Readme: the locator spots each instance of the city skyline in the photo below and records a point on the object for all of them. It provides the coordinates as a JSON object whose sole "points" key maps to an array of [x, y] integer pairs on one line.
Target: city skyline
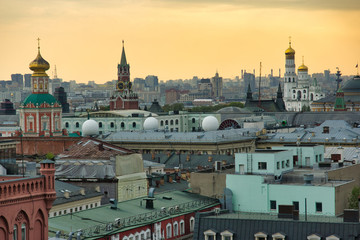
{"points": [[177, 39]]}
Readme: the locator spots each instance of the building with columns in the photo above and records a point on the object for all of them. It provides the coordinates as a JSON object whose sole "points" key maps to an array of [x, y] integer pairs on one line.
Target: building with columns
{"points": [[40, 113], [123, 97], [299, 90]]}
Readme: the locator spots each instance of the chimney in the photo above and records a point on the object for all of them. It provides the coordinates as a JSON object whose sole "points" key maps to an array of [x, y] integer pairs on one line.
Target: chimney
{"points": [[82, 191], [66, 195], [101, 147], [114, 203], [326, 129]]}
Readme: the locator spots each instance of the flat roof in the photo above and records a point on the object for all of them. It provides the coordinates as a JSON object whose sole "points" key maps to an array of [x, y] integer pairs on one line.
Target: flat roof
{"points": [[129, 214]]}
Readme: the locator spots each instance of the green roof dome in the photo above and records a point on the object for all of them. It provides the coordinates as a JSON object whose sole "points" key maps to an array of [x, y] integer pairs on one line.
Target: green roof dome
{"points": [[38, 99]]}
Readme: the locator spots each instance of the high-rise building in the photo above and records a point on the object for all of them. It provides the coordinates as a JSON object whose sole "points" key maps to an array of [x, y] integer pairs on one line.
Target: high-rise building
{"points": [[123, 97], [17, 79], [27, 80], [217, 86], [61, 96], [40, 112], [152, 82]]}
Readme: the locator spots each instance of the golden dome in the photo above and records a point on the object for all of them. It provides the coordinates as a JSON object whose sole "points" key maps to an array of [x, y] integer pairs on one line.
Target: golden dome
{"points": [[302, 67], [39, 65], [289, 53]]}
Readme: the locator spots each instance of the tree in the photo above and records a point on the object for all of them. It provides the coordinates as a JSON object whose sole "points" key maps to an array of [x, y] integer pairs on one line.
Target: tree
{"points": [[50, 156], [353, 198]]}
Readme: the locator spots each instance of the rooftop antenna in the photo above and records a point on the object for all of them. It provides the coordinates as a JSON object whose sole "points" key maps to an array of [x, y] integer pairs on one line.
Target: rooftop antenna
{"points": [[259, 104], [357, 68]]}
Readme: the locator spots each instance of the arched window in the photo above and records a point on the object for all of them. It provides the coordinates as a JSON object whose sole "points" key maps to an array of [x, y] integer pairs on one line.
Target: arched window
{"points": [[182, 227], [166, 122], [193, 120], [171, 122], [192, 224], [312, 97], [23, 231], [304, 91], [168, 231], [100, 124], [15, 233], [161, 123], [177, 121], [134, 124], [293, 79], [176, 229], [122, 124], [112, 125], [66, 124], [294, 91], [77, 124]]}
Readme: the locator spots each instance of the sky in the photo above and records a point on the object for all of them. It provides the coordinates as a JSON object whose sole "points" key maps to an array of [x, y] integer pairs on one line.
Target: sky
{"points": [[177, 39]]}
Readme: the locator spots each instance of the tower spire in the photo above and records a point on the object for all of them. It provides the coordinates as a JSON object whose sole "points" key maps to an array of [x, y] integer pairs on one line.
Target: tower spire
{"points": [[289, 41], [38, 39], [123, 61]]}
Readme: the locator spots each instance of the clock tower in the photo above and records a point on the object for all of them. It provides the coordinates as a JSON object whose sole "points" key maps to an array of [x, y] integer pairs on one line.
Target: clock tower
{"points": [[123, 97]]}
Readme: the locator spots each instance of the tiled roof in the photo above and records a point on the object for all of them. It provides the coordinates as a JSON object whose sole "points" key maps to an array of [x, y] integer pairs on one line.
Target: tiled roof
{"points": [[89, 148], [38, 99]]}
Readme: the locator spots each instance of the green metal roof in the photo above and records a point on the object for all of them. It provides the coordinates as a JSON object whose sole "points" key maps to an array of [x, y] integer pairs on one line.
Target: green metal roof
{"points": [[100, 221], [40, 98]]}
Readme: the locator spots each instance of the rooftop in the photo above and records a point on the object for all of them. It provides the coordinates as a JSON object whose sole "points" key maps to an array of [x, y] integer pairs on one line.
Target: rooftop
{"points": [[96, 222], [188, 137]]}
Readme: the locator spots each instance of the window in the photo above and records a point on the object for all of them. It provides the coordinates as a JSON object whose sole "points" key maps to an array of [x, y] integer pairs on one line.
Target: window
{"points": [[15, 234], [282, 164], [272, 205], [77, 124], [166, 122], [182, 227], [171, 122], [296, 205], [262, 165], [122, 125], [318, 206], [176, 229], [332, 237], [168, 231], [23, 231], [278, 165], [134, 124], [100, 124], [66, 124], [316, 158], [176, 121], [314, 237], [192, 224], [288, 163], [320, 157], [193, 120], [112, 125], [210, 235], [54, 214], [260, 236], [226, 235], [161, 123], [278, 236]]}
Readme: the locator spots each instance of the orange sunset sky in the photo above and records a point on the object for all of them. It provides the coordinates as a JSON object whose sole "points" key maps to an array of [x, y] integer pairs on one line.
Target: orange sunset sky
{"points": [[177, 38]]}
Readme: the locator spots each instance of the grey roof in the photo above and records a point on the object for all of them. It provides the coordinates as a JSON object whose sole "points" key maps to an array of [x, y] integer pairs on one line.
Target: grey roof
{"points": [[74, 192], [339, 131], [188, 137], [152, 164], [84, 169], [192, 163], [245, 225]]}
